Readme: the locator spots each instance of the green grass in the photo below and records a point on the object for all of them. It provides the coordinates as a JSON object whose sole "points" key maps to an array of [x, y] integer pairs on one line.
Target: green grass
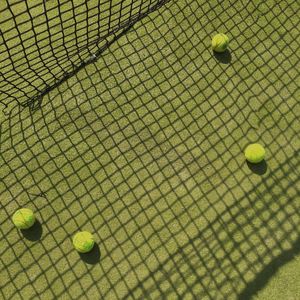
{"points": [[145, 149]]}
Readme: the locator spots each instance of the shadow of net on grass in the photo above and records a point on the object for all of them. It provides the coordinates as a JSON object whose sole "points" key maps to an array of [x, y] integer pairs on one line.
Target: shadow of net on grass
{"points": [[145, 149]]}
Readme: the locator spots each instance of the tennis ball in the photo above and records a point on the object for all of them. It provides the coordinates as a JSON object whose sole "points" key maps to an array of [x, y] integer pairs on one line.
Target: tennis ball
{"points": [[83, 241], [255, 153], [23, 218], [220, 42]]}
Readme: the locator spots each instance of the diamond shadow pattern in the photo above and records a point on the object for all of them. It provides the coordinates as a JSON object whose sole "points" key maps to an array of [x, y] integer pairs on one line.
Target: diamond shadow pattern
{"points": [[144, 148]]}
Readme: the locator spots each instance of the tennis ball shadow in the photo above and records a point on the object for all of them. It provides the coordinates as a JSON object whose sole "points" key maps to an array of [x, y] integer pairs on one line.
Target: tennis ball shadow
{"points": [[33, 233], [259, 169], [223, 57], [91, 257]]}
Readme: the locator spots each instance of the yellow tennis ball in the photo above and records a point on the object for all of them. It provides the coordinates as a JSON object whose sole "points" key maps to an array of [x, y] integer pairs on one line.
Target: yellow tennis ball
{"points": [[83, 241], [23, 218], [220, 42], [255, 153]]}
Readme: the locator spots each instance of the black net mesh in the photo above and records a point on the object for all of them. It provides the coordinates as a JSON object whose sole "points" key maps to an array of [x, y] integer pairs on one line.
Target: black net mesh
{"points": [[43, 42], [144, 148]]}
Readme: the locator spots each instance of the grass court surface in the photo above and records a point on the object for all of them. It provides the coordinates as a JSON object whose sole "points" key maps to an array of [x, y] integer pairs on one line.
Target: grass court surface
{"points": [[144, 148]]}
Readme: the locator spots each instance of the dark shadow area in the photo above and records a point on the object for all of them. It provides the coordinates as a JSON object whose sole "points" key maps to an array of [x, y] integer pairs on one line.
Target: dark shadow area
{"points": [[92, 257], [186, 256], [224, 57], [259, 169], [34, 233], [269, 271]]}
